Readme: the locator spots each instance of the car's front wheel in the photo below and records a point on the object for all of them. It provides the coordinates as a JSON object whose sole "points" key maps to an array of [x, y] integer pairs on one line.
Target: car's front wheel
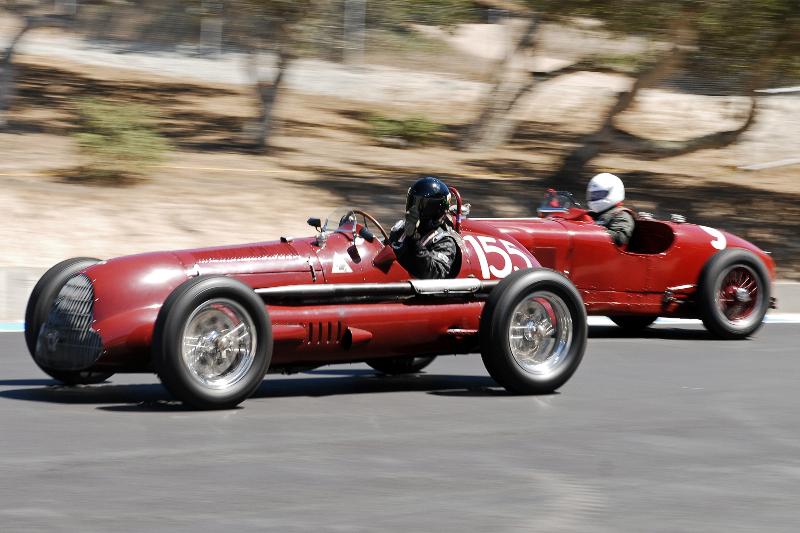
{"points": [[212, 342], [733, 294], [533, 331]]}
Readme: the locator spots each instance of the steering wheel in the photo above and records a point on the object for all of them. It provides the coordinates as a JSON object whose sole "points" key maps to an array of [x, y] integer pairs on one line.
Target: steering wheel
{"points": [[370, 218]]}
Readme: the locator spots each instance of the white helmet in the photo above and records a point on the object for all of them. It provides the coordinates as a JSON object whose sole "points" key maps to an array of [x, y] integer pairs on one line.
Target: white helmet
{"points": [[604, 192]]}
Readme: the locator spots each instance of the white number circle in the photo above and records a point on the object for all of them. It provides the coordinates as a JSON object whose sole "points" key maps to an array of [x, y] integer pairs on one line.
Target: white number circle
{"points": [[719, 241]]}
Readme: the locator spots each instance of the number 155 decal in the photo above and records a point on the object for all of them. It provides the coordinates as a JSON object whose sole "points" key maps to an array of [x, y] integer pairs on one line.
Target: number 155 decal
{"points": [[497, 260]]}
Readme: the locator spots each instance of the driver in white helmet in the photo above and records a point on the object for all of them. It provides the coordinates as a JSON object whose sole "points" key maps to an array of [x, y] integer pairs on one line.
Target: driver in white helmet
{"points": [[604, 196]]}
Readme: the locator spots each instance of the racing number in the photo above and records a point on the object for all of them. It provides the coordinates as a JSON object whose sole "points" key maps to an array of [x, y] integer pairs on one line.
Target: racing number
{"points": [[719, 242], [485, 247]]}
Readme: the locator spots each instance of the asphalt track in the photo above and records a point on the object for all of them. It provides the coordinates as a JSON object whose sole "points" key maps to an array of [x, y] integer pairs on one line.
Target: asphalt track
{"points": [[672, 432]]}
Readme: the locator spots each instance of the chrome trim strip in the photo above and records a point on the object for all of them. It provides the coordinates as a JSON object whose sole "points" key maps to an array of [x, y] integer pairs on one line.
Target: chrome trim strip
{"points": [[437, 287]]}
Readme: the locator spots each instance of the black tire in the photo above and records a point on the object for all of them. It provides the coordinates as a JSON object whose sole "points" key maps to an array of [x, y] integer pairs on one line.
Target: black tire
{"points": [[401, 365], [39, 304], [723, 268], [496, 321], [633, 323], [177, 311]]}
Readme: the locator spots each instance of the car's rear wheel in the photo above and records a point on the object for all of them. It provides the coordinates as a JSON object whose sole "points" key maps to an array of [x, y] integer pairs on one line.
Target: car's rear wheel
{"points": [[633, 323], [533, 331], [212, 342], [733, 294], [401, 365], [38, 308]]}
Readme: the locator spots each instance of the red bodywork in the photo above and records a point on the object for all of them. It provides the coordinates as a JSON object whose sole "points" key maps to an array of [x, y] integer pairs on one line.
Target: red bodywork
{"points": [[129, 292], [656, 275]]}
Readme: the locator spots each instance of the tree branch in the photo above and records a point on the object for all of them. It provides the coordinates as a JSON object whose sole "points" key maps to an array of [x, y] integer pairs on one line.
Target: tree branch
{"points": [[601, 139], [12, 46], [505, 5], [585, 65], [485, 130], [655, 149], [6, 60], [525, 41]]}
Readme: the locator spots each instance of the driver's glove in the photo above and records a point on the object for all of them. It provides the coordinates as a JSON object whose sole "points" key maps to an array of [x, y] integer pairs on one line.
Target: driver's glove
{"points": [[397, 234], [412, 222]]}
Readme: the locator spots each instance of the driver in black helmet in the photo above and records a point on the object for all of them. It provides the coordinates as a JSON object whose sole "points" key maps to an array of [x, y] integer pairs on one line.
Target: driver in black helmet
{"points": [[424, 242]]}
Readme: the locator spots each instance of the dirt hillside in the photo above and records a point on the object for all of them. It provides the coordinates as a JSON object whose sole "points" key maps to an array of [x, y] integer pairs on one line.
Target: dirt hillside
{"points": [[215, 189]]}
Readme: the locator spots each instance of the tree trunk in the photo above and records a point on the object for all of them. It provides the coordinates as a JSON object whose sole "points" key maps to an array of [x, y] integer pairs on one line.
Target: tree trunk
{"points": [[609, 138], [569, 174], [267, 94], [7, 73], [495, 124]]}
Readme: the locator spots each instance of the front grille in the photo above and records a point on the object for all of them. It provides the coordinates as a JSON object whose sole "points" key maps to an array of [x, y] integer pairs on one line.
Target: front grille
{"points": [[66, 341]]}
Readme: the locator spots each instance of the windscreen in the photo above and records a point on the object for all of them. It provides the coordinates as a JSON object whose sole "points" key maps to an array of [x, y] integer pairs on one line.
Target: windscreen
{"points": [[556, 202]]}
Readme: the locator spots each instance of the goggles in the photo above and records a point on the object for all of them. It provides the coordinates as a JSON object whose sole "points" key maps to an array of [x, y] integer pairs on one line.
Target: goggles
{"points": [[598, 195]]}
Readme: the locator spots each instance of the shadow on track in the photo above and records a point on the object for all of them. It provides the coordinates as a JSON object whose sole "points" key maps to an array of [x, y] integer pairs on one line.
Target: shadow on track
{"points": [[614, 332], [375, 383], [23, 382], [154, 397], [89, 394]]}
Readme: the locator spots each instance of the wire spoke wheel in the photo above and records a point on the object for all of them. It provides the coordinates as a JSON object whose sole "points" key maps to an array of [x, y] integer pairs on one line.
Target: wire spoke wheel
{"points": [[733, 293], [738, 294], [219, 343], [540, 333]]}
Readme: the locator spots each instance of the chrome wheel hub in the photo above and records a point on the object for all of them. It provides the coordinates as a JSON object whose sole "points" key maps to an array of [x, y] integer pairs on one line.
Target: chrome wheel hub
{"points": [[738, 296], [540, 333], [741, 295], [219, 343]]}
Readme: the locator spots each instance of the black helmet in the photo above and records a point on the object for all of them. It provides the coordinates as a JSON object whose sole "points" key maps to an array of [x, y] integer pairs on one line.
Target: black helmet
{"points": [[428, 201]]}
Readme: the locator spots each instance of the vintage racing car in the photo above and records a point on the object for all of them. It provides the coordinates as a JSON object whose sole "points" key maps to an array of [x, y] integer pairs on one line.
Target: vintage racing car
{"points": [[668, 269], [211, 322]]}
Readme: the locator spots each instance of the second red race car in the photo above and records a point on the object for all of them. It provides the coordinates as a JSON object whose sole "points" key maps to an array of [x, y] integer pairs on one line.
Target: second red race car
{"points": [[668, 269]]}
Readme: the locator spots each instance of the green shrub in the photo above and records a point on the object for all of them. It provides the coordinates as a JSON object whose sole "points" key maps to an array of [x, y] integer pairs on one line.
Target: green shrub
{"points": [[413, 130], [118, 140]]}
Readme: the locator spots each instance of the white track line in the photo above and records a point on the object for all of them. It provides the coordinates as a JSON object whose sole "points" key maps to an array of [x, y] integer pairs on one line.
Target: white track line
{"points": [[778, 318]]}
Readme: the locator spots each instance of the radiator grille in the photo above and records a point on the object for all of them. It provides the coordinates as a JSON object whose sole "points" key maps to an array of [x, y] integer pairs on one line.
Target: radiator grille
{"points": [[66, 341]]}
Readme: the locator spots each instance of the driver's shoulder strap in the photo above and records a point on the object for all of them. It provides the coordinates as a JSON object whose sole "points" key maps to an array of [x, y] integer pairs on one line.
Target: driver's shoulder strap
{"points": [[440, 233]]}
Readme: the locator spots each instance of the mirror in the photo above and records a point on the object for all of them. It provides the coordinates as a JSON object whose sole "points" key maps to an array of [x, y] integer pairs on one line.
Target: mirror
{"points": [[366, 234], [314, 222], [352, 251]]}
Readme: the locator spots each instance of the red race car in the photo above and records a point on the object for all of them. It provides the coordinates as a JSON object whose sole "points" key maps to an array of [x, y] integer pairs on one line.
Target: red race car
{"points": [[211, 322], [668, 268]]}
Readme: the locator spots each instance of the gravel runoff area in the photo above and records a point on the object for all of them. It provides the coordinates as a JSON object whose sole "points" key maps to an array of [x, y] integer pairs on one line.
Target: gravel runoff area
{"points": [[671, 432]]}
